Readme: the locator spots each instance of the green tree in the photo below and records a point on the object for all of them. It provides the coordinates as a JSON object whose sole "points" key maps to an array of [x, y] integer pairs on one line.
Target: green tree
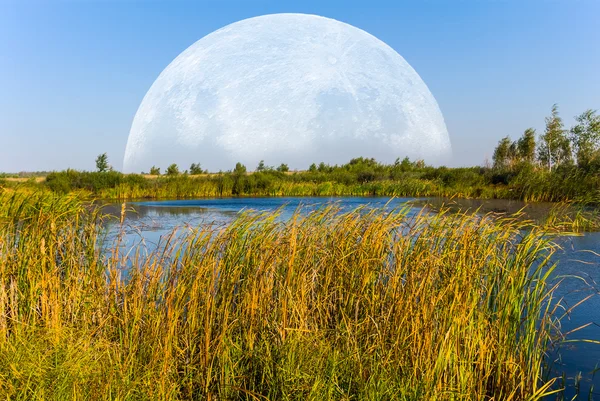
{"points": [[283, 168], [102, 163], [502, 153], [585, 137], [405, 164], [195, 169], [154, 170], [419, 164], [172, 170], [554, 148], [312, 168], [513, 154], [240, 180], [261, 166], [526, 146], [239, 169]]}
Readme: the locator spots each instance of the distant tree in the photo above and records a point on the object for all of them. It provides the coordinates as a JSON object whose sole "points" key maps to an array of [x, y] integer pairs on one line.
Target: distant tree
{"points": [[420, 164], [102, 163], [585, 137], [172, 170], [405, 164], [526, 146], [513, 154], [366, 175], [261, 166], [283, 168], [154, 170], [195, 169], [239, 169], [240, 180], [554, 147], [312, 168], [322, 167], [502, 153]]}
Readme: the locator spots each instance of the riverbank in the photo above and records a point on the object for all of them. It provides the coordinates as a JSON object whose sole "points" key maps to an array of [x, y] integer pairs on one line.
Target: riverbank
{"points": [[362, 178]]}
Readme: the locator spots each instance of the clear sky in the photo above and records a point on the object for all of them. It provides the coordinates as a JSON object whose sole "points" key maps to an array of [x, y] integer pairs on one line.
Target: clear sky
{"points": [[73, 73]]}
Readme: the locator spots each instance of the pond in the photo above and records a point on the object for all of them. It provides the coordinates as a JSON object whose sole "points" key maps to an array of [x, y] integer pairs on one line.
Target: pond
{"points": [[578, 260]]}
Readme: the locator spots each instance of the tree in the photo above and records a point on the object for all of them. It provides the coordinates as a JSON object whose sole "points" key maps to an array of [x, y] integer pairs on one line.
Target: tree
{"points": [[312, 168], [154, 170], [526, 146], [283, 168], [405, 164], [172, 169], [239, 179], [513, 154], [239, 169], [261, 166], [102, 163], [502, 153], [420, 164], [585, 137], [195, 169], [554, 148]]}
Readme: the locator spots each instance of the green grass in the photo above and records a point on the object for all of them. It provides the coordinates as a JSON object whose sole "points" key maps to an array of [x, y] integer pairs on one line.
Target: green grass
{"points": [[365, 305], [360, 177]]}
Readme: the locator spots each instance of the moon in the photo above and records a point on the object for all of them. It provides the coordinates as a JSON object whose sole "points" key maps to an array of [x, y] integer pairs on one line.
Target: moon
{"points": [[286, 88]]}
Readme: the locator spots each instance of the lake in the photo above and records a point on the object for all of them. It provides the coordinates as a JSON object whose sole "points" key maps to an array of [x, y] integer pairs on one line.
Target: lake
{"points": [[579, 269]]}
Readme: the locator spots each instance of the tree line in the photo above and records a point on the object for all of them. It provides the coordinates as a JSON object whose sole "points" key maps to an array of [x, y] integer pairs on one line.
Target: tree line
{"points": [[561, 164], [578, 146]]}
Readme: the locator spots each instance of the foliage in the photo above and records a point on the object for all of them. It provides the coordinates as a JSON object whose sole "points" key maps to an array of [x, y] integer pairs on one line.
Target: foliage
{"points": [[370, 304], [196, 169], [585, 136], [261, 166], [554, 147], [526, 146], [516, 174], [239, 169], [154, 170], [102, 163], [172, 170], [72, 180], [521, 181], [502, 153]]}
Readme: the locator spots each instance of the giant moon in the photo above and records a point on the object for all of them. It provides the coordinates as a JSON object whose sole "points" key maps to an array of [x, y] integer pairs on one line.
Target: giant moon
{"points": [[286, 88]]}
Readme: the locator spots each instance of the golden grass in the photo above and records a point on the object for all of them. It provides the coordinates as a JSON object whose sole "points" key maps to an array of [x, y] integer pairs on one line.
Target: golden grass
{"points": [[370, 304], [25, 179]]}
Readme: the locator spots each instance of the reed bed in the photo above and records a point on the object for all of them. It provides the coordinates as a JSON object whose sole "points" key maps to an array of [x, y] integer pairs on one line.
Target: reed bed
{"points": [[369, 305], [183, 187]]}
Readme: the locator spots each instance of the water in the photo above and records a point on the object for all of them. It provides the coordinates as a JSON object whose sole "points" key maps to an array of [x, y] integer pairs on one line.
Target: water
{"points": [[578, 268], [151, 221]]}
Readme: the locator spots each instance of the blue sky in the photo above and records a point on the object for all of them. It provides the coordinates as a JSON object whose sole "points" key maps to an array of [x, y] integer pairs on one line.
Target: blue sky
{"points": [[73, 73]]}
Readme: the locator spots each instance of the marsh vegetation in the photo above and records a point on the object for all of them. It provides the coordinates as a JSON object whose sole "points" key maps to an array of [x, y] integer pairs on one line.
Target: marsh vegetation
{"points": [[560, 165], [366, 304], [333, 304]]}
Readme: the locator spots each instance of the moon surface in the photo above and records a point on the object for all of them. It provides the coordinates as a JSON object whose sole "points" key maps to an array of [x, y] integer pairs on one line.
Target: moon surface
{"points": [[286, 88]]}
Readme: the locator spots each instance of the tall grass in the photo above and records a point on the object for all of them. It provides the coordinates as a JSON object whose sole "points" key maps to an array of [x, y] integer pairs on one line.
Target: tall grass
{"points": [[370, 304], [360, 177]]}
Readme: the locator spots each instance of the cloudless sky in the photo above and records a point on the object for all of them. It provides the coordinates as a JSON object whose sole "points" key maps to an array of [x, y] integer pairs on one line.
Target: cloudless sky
{"points": [[73, 73]]}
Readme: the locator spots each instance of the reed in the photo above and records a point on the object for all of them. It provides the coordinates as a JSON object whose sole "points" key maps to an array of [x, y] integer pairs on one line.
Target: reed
{"points": [[370, 304], [360, 177]]}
